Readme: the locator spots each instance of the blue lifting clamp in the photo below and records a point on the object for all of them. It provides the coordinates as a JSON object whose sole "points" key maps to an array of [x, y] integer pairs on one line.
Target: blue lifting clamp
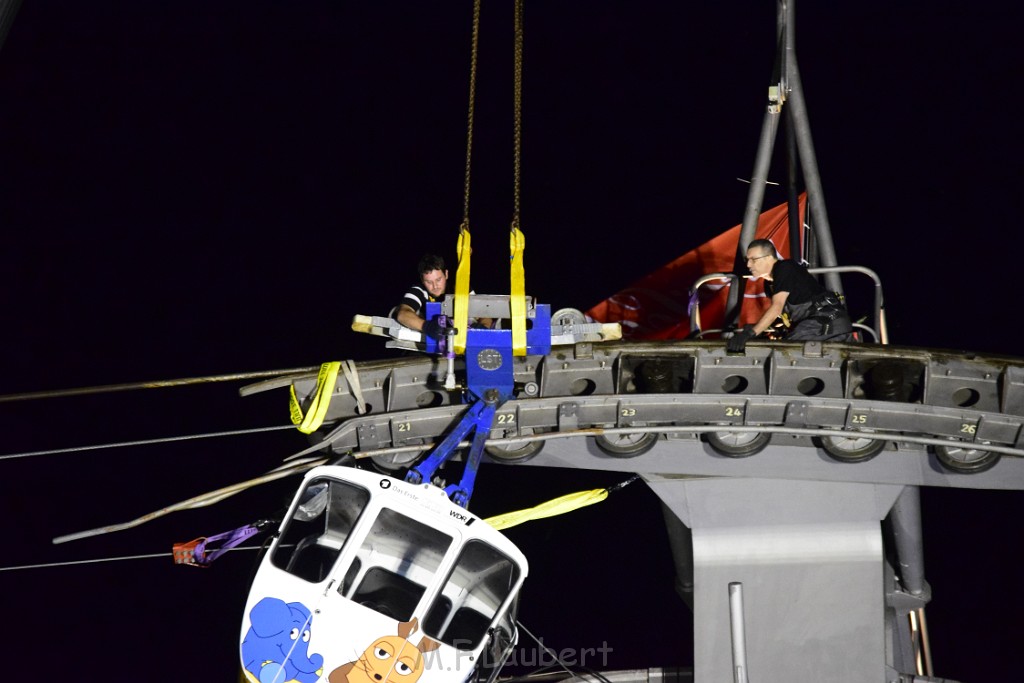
{"points": [[490, 382], [477, 419]]}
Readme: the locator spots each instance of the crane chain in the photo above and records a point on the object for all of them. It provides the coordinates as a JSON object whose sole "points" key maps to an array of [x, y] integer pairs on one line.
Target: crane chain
{"points": [[517, 111], [469, 126]]}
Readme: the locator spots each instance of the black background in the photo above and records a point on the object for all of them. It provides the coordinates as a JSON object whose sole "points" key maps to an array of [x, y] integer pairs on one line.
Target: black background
{"points": [[193, 188]]}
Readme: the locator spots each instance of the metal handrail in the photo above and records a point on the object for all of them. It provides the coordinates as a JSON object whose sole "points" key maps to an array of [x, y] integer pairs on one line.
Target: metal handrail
{"points": [[879, 331], [694, 308]]}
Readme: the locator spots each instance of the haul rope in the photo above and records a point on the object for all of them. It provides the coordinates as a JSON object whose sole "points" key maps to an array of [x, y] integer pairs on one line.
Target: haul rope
{"points": [[158, 384], [202, 500]]}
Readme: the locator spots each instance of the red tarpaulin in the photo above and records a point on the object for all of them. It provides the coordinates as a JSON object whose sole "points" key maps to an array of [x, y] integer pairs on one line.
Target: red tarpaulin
{"points": [[658, 305]]}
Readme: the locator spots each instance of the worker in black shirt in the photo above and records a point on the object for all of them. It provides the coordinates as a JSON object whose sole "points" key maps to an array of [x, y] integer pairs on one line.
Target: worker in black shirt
{"points": [[433, 285], [814, 313]]}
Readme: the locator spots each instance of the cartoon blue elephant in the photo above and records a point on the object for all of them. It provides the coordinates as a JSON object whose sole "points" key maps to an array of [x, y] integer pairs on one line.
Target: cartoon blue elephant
{"points": [[275, 648]]}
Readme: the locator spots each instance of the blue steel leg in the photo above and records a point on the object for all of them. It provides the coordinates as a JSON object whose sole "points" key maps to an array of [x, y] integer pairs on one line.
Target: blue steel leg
{"points": [[426, 469], [461, 492]]}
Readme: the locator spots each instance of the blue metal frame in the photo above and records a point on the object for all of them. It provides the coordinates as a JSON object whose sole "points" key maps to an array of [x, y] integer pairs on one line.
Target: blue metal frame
{"points": [[489, 383]]}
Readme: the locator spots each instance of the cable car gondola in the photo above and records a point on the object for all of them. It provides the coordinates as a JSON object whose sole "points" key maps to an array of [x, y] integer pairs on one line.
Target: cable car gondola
{"points": [[373, 579]]}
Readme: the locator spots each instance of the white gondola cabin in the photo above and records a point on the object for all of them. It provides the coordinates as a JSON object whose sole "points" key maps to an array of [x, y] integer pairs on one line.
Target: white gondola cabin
{"points": [[375, 580]]}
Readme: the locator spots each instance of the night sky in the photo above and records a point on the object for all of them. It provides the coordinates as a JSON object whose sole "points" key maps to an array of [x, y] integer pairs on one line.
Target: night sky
{"points": [[193, 189]]}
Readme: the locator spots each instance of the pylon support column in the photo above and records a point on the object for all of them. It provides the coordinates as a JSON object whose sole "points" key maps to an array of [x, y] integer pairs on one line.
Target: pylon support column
{"points": [[809, 555]]}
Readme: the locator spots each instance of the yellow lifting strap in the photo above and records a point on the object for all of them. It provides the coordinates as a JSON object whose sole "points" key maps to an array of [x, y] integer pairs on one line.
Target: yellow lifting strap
{"points": [[461, 322], [558, 506], [325, 381], [517, 300]]}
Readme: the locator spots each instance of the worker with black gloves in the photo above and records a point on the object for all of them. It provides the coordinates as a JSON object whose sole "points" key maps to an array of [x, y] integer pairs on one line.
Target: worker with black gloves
{"points": [[814, 313]]}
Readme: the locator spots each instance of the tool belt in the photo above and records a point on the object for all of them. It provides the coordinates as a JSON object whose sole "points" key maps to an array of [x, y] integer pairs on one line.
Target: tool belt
{"points": [[826, 309]]}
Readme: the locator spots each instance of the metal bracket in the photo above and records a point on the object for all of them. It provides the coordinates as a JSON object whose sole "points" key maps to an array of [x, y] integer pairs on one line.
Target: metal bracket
{"points": [[478, 419]]}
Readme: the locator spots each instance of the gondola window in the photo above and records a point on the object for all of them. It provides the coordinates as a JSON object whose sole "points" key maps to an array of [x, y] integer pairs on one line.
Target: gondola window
{"points": [[316, 533], [477, 587], [397, 561]]}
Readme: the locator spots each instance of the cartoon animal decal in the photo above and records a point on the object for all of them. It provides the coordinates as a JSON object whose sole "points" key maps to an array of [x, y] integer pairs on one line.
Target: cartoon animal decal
{"points": [[390, 659], [275, 648]]}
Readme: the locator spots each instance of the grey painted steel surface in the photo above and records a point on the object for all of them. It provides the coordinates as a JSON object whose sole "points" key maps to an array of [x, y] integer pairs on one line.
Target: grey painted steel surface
{"points": [[809, 556], [692, 457], [821, 397], [905, 521]]}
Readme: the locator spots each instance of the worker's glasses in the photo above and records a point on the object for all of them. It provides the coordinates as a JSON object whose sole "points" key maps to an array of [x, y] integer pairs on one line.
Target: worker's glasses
{"points": [[754, 258]]}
